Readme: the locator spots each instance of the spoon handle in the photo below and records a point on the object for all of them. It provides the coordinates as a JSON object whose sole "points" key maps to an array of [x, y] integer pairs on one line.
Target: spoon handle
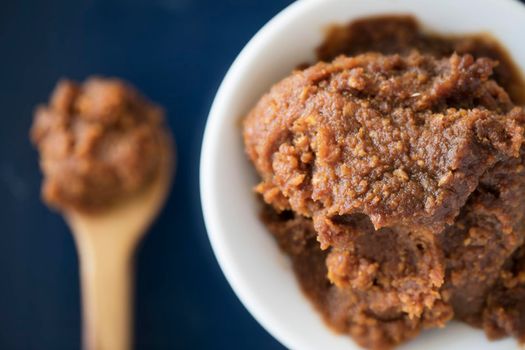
{"points": [[106, 279], [106, 242]]}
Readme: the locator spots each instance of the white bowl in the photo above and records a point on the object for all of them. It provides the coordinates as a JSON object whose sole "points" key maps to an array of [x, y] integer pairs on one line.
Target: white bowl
{"points": [[259, 273]]}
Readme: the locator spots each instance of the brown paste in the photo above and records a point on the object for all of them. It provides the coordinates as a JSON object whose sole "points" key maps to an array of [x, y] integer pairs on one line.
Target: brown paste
{"points": [[98, 141], [394, 175]]}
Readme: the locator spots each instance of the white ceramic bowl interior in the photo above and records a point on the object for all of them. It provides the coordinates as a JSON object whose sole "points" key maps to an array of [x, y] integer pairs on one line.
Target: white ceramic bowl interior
{"points": [[258, 272]]}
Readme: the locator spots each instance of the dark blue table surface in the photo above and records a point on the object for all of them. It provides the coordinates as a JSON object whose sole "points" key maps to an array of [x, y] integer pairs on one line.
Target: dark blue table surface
{"points": [[176, 52]]}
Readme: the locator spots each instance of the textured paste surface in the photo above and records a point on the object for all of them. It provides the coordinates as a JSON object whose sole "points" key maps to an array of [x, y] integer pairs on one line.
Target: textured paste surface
{"points": [[395, 180], [98, 141]]}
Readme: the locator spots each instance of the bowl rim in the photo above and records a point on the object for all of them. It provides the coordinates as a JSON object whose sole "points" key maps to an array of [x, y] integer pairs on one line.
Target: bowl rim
{"points": [[213, 123]]}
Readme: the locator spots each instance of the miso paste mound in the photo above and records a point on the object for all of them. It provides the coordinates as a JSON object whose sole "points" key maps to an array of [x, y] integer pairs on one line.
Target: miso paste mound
{"points": [[396, 183], [98, 141]]}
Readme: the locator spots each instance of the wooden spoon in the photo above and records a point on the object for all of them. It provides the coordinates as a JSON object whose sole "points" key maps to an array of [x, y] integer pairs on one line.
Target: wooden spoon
{"points": [[106, 243]]}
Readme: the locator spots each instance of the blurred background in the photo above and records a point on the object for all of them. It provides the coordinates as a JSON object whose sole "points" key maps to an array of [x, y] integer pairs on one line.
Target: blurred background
{"points": [[176, 52]]}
